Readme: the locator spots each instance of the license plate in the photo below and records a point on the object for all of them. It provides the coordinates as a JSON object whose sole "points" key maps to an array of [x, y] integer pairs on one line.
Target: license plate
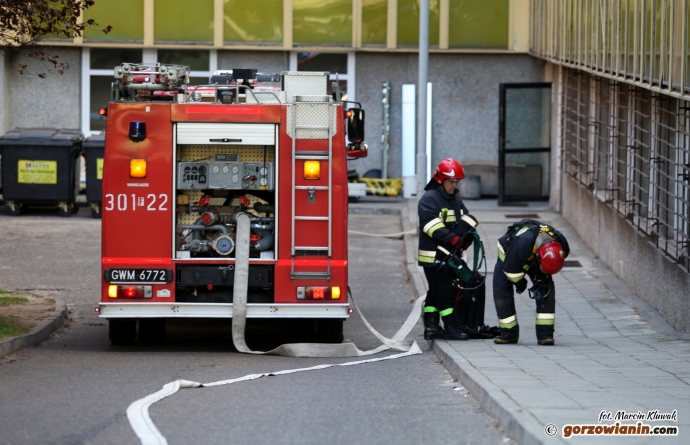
{"points": [[138, 275]]}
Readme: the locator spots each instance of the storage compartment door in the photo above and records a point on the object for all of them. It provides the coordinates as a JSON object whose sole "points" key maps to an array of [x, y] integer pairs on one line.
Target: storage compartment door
{"points": [[225, 134]]}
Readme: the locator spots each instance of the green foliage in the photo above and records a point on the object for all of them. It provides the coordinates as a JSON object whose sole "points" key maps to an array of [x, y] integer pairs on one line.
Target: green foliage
{"points": [[7, 300], [10, 328], [25, 23]]}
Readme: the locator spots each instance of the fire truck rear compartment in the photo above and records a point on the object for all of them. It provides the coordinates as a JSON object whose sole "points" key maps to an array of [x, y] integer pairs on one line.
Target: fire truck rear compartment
{"points": [[214, 284], [215, 183]]}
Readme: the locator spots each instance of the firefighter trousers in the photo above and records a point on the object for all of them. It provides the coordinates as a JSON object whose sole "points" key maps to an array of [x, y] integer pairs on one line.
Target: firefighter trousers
{"points": [[504, 298], [441, 295]]}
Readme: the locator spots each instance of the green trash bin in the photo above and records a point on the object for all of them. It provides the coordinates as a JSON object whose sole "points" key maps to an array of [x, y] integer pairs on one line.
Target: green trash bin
{"points": [[93, 155], [39, 167]]}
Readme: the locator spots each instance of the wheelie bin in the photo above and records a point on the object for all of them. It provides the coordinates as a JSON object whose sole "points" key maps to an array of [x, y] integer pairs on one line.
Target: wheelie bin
{"points": [[39, 168], [93, 154]]}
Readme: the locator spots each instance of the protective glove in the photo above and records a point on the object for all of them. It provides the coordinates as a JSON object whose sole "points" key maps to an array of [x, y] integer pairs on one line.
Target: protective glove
{"points": [[465, 224], [520, 286], [457, 242]]}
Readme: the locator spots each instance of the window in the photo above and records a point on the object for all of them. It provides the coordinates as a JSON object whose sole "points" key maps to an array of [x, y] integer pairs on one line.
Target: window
{"points": [[181, 21], [322, 22], [125, 16], [262, 23], [97, 75], [478, 24], [340, 65]]}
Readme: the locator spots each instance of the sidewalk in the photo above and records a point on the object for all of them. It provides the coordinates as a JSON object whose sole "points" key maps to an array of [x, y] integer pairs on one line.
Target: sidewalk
{"points": [[613, 352]]}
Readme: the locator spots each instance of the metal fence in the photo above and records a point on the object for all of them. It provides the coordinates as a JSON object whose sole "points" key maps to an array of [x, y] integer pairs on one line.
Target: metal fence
{"points": [[630, 147], [641, 42]]}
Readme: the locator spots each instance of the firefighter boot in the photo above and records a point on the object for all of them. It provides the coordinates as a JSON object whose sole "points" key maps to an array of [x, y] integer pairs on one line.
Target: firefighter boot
{"points": [[432, 329], [508, 336], [545, 335], [451, 330]]}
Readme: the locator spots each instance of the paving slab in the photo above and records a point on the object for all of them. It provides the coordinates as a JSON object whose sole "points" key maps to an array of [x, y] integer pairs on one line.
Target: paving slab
{"points": [[613, 351]]}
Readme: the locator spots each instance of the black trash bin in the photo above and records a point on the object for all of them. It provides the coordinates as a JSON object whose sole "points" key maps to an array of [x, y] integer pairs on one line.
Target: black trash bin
{"points": [[39, 167], [93, 154]]}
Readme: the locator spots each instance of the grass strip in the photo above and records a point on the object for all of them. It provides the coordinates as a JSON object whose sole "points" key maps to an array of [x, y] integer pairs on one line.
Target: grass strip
{"points": [[11, 328], [6, 301]]}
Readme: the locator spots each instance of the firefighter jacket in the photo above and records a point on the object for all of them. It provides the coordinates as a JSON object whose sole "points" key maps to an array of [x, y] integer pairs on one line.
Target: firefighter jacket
{"points": [[518, 247], [441, 217]]}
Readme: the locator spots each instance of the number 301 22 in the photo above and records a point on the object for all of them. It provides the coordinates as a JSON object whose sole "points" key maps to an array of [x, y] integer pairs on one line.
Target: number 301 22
{"points": [[123, 202]]}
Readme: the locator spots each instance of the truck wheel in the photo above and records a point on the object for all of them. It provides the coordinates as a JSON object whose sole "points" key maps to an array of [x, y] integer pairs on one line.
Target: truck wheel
{"points": [[152, 331], [122, 331], [330, 331], [15, 208]]}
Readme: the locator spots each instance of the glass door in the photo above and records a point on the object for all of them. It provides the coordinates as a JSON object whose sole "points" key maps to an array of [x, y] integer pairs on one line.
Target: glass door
{"points": [[524, 151]]}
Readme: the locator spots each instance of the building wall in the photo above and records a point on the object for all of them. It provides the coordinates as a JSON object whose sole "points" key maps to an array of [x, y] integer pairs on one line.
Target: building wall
{"points": [[465, 102], [4, 92], [50, 102], [628, 254], [263, 61]]}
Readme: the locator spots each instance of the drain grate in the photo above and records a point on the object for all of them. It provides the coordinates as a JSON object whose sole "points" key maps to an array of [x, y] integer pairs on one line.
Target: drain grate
{"points": [[523, 216], [572, 263]]}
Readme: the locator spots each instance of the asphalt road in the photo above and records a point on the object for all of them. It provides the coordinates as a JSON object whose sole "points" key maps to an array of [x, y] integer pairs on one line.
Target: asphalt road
{"points": [[75, 387]]}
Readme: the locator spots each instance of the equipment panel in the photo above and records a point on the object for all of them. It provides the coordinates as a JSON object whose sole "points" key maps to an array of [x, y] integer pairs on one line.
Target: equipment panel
{"points": [[225, 175], [192, 175]]}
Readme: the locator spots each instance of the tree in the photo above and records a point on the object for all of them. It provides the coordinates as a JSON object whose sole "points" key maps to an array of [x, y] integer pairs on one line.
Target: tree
{"points": [[25, 23]]}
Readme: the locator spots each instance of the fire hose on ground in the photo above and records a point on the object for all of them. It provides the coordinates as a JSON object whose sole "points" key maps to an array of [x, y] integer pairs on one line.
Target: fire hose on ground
{"points": [[137, 412]]}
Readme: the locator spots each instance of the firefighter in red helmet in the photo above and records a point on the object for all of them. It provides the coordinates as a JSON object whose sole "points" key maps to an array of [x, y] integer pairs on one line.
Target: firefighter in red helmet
{"points": [[443, 221], [529, 248]]}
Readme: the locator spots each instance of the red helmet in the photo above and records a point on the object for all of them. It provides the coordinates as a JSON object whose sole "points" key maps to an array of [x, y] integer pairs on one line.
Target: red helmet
{"points": [[551, 257], [448, 169]]}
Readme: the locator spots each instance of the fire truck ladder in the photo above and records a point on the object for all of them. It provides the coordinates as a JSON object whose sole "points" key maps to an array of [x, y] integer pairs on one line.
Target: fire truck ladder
{"points": [[300, 109]]}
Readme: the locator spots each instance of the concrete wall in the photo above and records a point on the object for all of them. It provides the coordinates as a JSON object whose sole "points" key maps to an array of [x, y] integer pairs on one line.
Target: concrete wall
{"points": [[4, 91], [51, 102], [631, 256], [264, 61], [552, 73], [465, 102]]}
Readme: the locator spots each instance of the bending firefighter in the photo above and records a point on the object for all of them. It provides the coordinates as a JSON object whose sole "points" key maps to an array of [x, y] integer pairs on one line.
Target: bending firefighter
{"points": [[443, 221], [539, 251]]}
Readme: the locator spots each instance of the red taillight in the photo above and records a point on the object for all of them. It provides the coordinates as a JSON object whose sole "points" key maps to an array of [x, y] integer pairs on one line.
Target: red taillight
{"points": [[318, 293], [209, 286], [129, 291]]}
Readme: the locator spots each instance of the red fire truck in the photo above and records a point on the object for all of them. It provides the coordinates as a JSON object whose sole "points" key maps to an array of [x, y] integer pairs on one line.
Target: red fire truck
{"points": [[182, 162]]}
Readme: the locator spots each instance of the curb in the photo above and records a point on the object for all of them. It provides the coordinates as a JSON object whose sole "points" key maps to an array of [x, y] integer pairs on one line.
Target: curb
{"points": [[39, 333], [502, 408]]}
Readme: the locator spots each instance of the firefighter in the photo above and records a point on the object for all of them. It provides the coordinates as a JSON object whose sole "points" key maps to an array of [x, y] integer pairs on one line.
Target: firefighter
{"points": [[443, 221], [528, 248]]}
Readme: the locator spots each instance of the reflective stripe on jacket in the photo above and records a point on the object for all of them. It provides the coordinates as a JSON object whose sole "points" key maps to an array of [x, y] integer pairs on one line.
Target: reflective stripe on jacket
{"points": [[518, 247], [438, 213]]}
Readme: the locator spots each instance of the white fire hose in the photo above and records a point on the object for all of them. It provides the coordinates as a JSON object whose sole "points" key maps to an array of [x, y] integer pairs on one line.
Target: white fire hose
{"points": [[137, 412]]}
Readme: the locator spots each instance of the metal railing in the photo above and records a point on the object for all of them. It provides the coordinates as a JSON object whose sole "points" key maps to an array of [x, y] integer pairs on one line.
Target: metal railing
{"points": [[630, 147], [640, 42]]}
